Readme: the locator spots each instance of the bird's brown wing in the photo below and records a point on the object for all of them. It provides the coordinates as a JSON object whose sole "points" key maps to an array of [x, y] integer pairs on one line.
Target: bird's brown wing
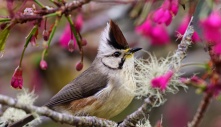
{"points": [[87, 84]]}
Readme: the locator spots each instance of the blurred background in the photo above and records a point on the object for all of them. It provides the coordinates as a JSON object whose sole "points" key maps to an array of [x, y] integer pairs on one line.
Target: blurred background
{"points": [[177, 111]]}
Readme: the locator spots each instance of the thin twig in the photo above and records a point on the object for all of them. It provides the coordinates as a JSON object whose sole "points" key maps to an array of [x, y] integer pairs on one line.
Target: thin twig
{"points": [[201, 110], [77, 121]]}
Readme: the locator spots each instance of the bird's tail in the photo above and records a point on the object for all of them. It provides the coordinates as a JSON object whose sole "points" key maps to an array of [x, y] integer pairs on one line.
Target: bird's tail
{"points": [[23, 121]]}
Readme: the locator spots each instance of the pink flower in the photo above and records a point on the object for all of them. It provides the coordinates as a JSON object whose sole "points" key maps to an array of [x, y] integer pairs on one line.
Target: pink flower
{"points": [[79, 22], [17, 80], [66, 37], [159, 35], [174, 6], [162, 16], [161, 82], [145, 28], [166, 12], [182, 28], [212, 27], [43, 65], [217, 49]]}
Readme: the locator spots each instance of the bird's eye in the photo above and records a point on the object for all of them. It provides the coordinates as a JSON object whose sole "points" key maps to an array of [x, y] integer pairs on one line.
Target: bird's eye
{"points": [[116, 54]]}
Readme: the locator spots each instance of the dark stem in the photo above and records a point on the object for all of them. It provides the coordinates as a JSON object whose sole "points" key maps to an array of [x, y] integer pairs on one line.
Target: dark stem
{"points": [[201, 110]]}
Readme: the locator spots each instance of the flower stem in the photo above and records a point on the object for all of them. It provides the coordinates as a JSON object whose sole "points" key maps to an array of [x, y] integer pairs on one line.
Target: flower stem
{"points": [[201, 110], [28, 38]]}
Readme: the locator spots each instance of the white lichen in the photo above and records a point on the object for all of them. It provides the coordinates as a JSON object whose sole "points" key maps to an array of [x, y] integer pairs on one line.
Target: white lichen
{"points": [[143, 123], [148, 69], [13, 114]]}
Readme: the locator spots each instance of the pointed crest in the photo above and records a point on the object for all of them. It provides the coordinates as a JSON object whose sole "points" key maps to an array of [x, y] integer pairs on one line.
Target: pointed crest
{"points": [[116, 37]]}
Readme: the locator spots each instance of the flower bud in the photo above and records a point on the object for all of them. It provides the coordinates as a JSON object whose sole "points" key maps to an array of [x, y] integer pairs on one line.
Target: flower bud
{"points": [[79, 66], [17, 80], [84, 42], [71, 46], [45, 35], [43, 65]]}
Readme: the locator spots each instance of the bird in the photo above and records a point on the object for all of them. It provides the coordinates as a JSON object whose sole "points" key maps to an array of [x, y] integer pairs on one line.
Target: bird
{"points": [[104, 89]]}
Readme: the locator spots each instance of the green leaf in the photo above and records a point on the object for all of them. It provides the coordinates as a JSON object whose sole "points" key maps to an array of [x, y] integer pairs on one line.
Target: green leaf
{"points": [[3, 36]]}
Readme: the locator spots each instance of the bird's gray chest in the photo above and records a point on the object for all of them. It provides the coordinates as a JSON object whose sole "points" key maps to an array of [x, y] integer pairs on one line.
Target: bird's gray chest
{"points": [[114, 98]]}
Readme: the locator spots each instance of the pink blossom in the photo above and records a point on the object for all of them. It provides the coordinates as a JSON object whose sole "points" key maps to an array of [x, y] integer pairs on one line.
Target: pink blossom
{"points": [[166, 12], [43, 65], [174, 6], [79, 22], [212, 27], [162, 16], [182, 28], [66, 37], [159, 35], [145, 28], [217, 49], [162, 81], [17, 80]]}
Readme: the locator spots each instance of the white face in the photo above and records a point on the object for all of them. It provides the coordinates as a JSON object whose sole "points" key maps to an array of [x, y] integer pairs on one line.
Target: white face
{"points": [[115, 59]]}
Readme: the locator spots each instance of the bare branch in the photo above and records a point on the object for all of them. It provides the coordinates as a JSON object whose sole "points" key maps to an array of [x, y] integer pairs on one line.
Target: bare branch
{"points": [[77, 121]]}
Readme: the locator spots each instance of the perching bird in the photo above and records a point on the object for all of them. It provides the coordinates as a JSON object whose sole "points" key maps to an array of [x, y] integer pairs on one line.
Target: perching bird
{"points": [[106, 88]]}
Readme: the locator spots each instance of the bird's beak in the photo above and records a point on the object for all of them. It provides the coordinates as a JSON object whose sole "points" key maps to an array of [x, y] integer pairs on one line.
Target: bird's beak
{"points": [[133, 50]]}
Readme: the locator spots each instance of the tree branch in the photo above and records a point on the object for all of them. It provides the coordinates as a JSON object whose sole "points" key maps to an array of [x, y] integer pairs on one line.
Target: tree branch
{"points": [[39, 14], [78, 121], [201, 110], [145, 109]]}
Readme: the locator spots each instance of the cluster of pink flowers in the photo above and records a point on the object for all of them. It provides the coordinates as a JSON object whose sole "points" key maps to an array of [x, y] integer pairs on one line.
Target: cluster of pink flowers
{"points": [[155, 25], [212, 30]]}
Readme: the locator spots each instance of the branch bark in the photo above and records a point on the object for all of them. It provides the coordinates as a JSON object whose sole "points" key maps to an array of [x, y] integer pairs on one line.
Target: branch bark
{"points": [[201, 110], [78, 121]]}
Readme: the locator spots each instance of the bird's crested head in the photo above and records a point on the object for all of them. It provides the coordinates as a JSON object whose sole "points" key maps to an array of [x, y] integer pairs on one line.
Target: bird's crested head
{"points": [[114, 50]]}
